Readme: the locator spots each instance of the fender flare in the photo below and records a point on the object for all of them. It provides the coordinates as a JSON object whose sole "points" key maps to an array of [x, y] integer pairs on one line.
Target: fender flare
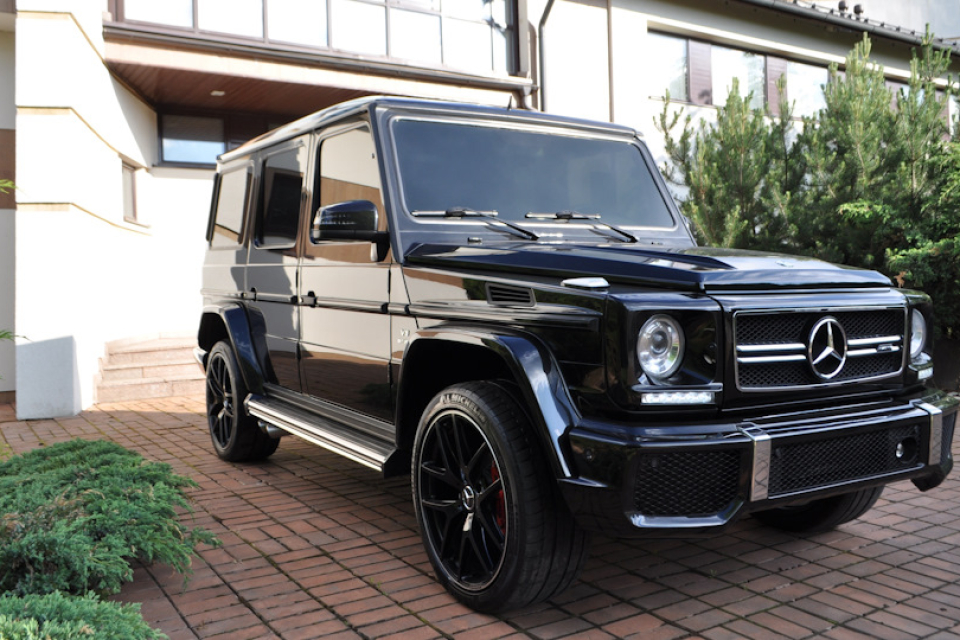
{"points": [[537, 374], [245, 329]]}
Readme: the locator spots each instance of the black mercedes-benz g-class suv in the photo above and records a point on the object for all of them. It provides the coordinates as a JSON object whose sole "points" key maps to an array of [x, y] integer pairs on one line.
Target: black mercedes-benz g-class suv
{"points": [[509, 306]]}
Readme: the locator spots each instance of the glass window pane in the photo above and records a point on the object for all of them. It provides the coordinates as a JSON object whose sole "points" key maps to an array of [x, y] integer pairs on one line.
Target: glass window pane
{"points": [[501, 55], [231, 201], [467, 9], [191, 139], [297, 22], [805, 84], [129, 193], [239, 17], [671, 68], [467, 45], [498, 11], [349, 169], [747, 68], [279, 214], [177, 13], [415, 36], [515, 172], [358, 27]]}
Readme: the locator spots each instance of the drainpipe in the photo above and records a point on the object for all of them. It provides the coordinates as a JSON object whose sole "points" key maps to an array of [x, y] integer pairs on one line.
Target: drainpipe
{"points": [[542, 58]]}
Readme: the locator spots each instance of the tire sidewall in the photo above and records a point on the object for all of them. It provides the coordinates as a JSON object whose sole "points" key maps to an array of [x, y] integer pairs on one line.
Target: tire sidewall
{"points": [[223, 351], [500, 589]]}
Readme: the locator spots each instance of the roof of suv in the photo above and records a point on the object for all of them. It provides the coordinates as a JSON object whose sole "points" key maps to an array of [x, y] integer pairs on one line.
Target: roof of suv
{"points": [[360, 105]]}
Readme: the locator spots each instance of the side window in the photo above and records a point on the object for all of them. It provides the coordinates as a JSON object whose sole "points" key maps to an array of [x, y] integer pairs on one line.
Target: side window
{"points": [[231, 203], [279, 205], [349, 169]]}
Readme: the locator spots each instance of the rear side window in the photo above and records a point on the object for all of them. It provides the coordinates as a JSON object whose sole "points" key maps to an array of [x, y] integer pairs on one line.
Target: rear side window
{"points": [[279, 205], [231, 204]]}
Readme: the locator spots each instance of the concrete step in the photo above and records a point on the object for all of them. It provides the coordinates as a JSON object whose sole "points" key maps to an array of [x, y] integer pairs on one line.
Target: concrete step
{"points": [[152, 367], [127, 390]]}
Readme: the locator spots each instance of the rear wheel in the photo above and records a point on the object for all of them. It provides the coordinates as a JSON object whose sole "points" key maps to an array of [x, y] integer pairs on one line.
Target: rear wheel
{"points": [[235, 434], [821, 515], [494, 526]]}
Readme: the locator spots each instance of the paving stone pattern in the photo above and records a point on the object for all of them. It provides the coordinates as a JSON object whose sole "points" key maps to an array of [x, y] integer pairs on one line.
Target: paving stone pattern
{"points": [[315, 546]]}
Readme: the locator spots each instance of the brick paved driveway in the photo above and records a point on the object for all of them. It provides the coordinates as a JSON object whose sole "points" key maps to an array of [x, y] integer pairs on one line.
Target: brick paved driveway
{"points": [[316, 546]]}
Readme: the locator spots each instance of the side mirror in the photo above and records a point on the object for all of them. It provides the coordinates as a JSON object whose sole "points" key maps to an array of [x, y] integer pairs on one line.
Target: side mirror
{"points": [[351, 220]]}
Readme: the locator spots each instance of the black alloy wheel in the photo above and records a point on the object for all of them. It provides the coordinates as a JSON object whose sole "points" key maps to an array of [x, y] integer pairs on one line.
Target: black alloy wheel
{"points": [[221, 401], [494, 526], [463, 500], [235, 434]]}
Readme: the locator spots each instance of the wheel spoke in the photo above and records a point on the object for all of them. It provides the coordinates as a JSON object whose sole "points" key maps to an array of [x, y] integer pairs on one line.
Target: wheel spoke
{"points": [[459, 486], [483, 451]]}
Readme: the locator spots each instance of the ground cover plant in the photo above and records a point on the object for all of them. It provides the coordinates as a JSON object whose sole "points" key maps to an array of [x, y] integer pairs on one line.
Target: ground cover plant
{"points": [[57, 616], [72, 518]]}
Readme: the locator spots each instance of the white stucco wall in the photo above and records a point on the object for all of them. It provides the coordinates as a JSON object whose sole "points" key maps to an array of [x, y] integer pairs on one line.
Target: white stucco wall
{"points": [[84, 276], [8, 117]]}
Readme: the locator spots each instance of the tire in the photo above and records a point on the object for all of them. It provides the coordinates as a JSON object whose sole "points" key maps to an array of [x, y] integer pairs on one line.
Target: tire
{"points": [[494, 526], [821, 515], [235, 434]]}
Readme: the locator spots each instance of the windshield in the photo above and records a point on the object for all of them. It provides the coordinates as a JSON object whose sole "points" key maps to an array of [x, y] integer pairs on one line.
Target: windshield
{"points": [[514, 172]]}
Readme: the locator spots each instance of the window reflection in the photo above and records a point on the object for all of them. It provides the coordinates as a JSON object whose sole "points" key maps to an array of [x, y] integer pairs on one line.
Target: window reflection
{"points": [[670, 71], [515, 172], [805, 84], [467, 45], [359, 27], [415, 36], [237, 17], [746, 67], [191, 139], [297, 22], [178, 13], [472, 35]]}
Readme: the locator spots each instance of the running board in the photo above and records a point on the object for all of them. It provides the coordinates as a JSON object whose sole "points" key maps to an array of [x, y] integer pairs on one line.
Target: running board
{"points": [[359, 447]]}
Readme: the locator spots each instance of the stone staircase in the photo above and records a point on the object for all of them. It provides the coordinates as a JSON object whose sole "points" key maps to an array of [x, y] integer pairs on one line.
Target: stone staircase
{"points": [[158, 367]]}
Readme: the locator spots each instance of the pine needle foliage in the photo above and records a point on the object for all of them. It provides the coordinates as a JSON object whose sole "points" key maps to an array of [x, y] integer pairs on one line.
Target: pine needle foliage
{"points": [[59, 617], [73, 516]]}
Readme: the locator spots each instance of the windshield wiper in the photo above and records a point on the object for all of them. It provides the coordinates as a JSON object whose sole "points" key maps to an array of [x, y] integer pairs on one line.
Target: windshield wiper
{"points": [[491, 216], [576, 215]]}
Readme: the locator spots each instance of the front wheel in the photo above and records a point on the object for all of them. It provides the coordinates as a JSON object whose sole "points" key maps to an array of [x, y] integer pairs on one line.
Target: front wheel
{"points": [[494, 526], [821, 515]]}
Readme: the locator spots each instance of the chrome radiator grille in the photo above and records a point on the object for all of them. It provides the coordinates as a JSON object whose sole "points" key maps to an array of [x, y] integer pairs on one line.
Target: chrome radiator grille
{"points": [[800, 349]]}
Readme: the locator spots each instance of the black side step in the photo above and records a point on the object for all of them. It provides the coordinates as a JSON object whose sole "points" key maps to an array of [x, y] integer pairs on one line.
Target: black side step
{"points": [[359, 447]]}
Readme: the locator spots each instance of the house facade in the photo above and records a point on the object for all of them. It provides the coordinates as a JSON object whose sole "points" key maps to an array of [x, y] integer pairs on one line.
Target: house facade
{"points": [[112, 114]]}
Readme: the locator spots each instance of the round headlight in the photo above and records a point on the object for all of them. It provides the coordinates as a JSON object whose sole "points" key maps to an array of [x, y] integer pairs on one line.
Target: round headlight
{"points": [[918, 333], [660, 346]]}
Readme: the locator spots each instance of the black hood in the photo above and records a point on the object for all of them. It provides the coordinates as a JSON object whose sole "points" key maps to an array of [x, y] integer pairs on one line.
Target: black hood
{"points": [[695, 269]]}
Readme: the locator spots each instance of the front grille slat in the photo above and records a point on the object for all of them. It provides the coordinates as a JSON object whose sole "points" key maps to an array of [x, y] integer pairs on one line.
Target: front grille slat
{"points": [[770, 347]]}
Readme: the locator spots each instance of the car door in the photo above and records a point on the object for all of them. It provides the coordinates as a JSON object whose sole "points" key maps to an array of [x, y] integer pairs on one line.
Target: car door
{"points": [[273, 259], [344, 287]]}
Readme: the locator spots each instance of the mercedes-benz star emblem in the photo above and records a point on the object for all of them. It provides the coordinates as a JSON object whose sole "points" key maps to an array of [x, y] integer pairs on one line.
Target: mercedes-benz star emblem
{"points": [[827, 348]]}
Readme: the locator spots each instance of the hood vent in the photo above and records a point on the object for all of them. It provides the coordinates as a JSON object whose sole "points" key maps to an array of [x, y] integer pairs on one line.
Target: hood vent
{"points": [[506, 295]]}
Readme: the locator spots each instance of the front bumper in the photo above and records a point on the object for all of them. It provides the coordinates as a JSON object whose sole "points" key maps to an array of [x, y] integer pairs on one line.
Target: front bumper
{"points": [[696, 479]]}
